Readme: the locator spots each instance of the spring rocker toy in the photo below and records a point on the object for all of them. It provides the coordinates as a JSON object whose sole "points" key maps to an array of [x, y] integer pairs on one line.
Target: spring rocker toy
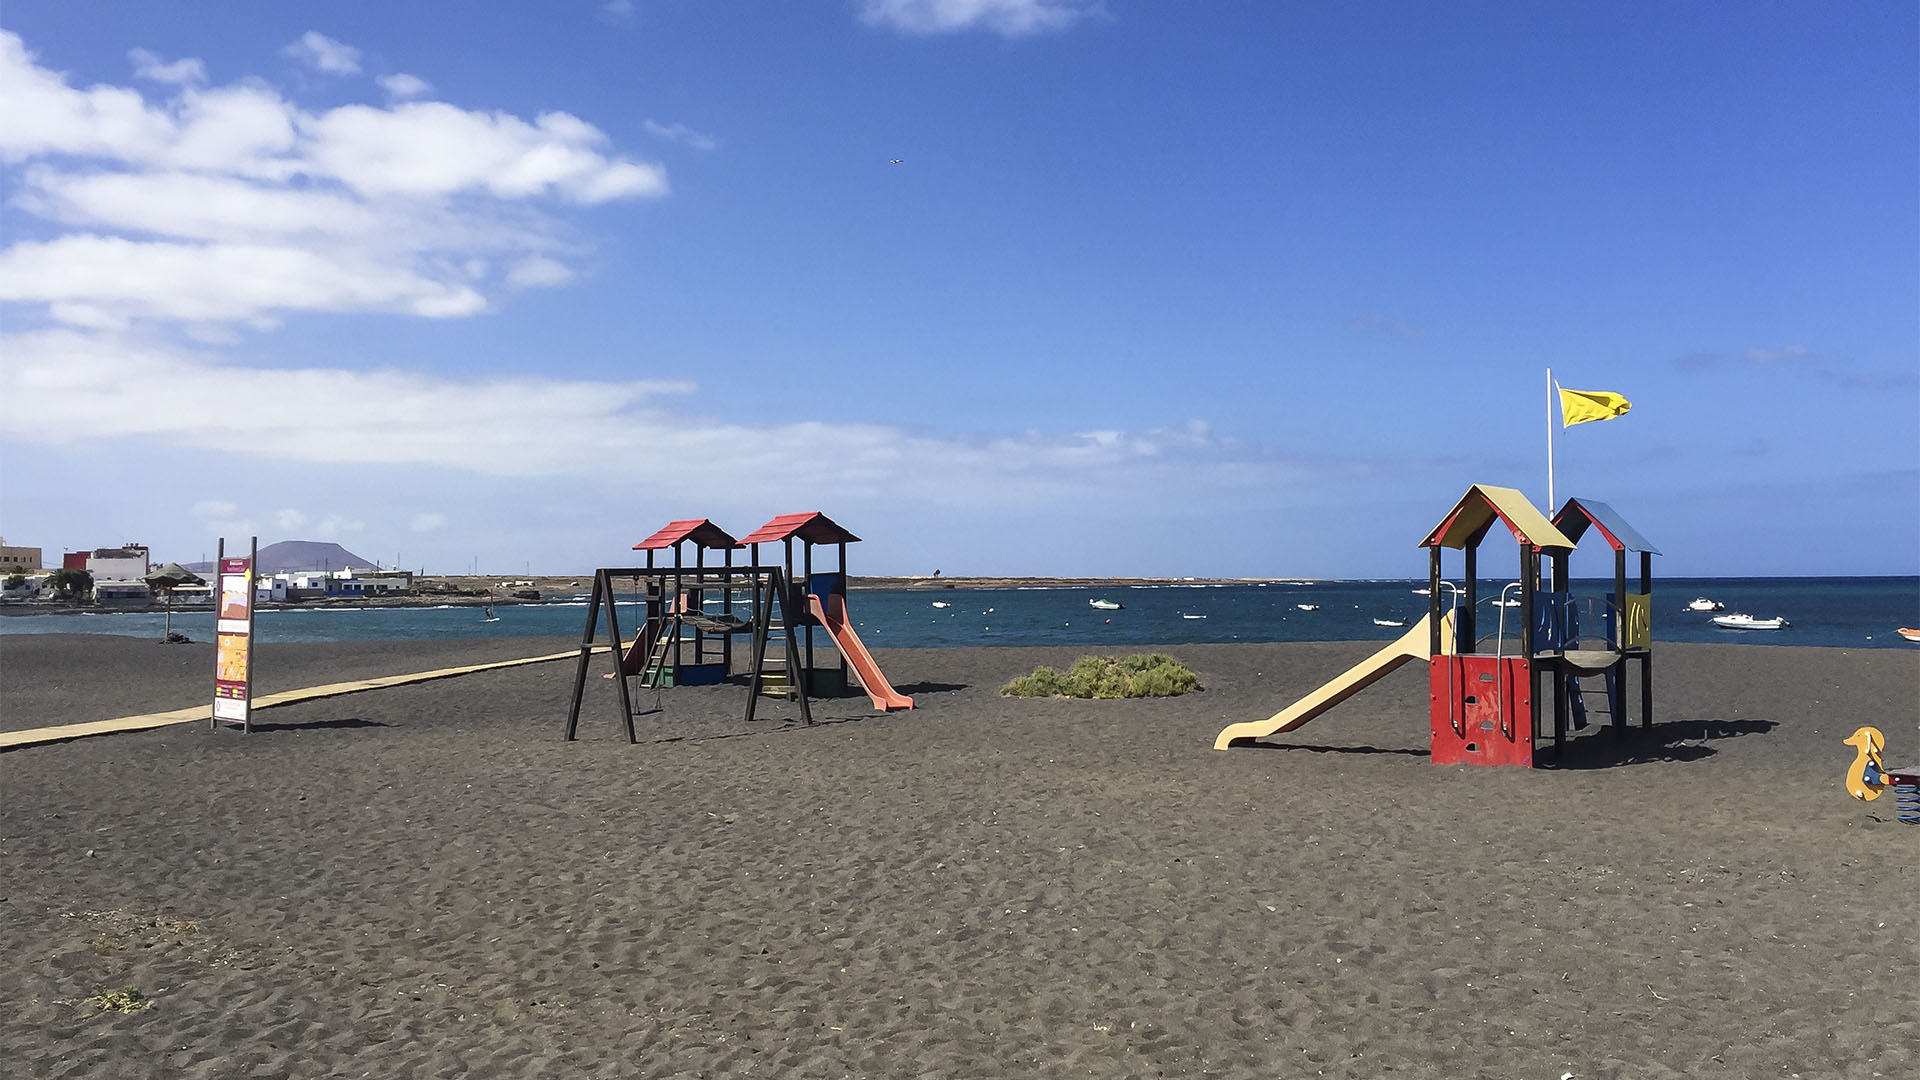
{"points": [[1868, 775]]}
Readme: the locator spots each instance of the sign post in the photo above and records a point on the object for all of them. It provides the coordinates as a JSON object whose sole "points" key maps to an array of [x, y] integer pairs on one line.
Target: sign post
{"points": [[233, 626]]}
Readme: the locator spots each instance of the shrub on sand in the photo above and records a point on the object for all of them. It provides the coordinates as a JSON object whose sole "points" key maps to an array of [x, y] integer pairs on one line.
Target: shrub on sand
{"points": [[1136, 676]]}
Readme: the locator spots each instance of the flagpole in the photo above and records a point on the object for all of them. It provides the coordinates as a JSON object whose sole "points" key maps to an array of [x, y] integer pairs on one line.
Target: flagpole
{"points": [[1550, 505], [1550, 464]]}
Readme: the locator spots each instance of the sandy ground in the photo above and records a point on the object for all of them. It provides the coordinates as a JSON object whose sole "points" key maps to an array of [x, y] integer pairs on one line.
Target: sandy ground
{"points": [[427, 881]]}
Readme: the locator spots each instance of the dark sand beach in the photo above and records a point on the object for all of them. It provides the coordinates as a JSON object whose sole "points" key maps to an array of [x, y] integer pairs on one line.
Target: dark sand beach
{"points": [[427, 881]]}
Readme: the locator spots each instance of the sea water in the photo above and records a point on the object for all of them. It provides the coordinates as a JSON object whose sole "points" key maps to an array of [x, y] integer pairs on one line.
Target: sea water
{"points": [[1849, 612]]}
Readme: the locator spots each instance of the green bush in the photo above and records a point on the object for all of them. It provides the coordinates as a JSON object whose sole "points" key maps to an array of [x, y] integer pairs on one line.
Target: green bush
{"points": [[1136, 676]]}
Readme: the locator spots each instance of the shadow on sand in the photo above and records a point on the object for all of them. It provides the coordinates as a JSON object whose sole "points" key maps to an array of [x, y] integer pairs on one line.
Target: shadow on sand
{"points": [[321, 725], [1673, 740], [1670, 740]]}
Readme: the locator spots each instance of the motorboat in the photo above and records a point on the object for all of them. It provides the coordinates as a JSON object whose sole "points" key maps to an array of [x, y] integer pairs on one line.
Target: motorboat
{"points": [[1389, 622], [1104, 605], [1308, 607], [941, 603], [1740, 620], [1909, 633], [1701, 603], [1193, 616]]}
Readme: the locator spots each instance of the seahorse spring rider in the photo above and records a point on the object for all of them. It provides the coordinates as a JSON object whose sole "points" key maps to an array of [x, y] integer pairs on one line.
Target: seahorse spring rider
{"points": [[1869, 775]]}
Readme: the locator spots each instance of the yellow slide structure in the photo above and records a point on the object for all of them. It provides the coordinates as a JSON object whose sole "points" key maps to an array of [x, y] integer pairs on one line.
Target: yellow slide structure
{"points": [[1415, 644]]}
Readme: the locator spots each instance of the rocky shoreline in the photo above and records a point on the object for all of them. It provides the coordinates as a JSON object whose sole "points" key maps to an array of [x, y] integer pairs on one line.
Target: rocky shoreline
{"points": [[548, 590]]}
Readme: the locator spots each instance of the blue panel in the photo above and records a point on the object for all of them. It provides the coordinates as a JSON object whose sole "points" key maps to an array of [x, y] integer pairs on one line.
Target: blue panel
{"points": [[1549, 621], [1610, 520], [825, 585]]}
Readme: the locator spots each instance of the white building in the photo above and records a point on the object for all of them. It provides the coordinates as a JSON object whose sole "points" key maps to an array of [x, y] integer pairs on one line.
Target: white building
{"points": [[120, 573]]}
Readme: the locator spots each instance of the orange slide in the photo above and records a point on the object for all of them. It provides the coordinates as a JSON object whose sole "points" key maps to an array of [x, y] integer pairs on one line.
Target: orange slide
{"points": [[834, 618]]}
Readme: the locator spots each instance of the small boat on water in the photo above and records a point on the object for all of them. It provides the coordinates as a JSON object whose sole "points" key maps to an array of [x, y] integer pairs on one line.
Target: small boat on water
{"points": [[1193, 616], [1308, 607], [1740, 620], [941, 603], [1909, 633], [1701, 603], [1104, 605], [1389, 622]]}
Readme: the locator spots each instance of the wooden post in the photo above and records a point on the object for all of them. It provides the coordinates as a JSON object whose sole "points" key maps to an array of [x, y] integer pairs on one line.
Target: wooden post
{"points": [[619, 673], [1646, 656], [1433, 600], [1469, 628], [600, 582]]}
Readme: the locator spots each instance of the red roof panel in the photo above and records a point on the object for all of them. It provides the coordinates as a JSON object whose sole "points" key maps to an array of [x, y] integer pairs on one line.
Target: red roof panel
{"points": [[813, 527], [699, 530]]}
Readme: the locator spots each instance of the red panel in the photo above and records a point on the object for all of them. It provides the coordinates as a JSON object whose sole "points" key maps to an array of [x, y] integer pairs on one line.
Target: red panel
{"points": [[702, 531], [814, 527], [1482, 710]]}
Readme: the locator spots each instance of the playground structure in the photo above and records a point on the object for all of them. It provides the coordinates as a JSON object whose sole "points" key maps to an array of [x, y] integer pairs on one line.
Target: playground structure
{"points": [[681, 642], [1484, 707], [1626, 618], [820, 600], [1869, 775]]}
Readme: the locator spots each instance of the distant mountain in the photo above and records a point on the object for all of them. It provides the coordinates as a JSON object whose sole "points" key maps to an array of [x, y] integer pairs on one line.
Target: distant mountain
{"points": [[293, 555]]}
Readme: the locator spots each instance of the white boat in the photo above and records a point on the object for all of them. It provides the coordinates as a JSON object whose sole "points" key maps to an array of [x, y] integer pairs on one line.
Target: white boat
{"points": [[1308, 607], [1389, 622], [1701, 603], [1423, 592], [1104, 605], [1193, 616], [1909, 633], [941, 603], [1740, 620]]}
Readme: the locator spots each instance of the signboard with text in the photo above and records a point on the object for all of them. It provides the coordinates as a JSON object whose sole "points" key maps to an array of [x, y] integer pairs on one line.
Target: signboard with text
{"points": [[233, 632]]}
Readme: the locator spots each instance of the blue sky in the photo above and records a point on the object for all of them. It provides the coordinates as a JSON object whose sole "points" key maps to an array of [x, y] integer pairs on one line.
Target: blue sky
{"points": [[1152, 288]]}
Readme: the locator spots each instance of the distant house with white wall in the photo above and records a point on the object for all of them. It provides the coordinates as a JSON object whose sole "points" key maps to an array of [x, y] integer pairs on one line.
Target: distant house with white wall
{"points": [[120, 573], [270, 589]]}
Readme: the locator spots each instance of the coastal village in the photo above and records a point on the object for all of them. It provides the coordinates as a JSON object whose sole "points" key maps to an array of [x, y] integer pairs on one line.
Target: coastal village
{"points": [[126, 578]]}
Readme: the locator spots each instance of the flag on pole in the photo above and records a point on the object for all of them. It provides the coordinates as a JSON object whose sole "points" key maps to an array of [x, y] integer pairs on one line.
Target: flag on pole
{"points": [[1581, 406]]}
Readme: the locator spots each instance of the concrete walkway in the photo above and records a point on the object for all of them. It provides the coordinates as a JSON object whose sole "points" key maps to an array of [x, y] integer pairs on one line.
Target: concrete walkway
{"points": [[61, 732]]}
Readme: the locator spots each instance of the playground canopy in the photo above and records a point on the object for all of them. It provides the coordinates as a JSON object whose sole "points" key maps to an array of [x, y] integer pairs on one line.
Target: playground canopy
{"points": [[813, 528], [1577, 514], [702, 531], [1469, 519]]}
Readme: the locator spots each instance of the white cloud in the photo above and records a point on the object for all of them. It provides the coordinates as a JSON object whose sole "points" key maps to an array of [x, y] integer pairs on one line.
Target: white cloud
{"points": [[214, 508], [1008, 18], [542, 427], [431, 148], [617, 10], [334, 527], [426, 523], [539, 272], [232, 204], [186, 71], [288, 520], [680, 133], [221, 517], [402, 85], [1786, 355], [325, 55], [213, 282]]}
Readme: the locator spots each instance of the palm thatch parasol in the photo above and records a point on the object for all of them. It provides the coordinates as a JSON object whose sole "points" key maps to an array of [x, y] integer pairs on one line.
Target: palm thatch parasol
{"points": [[164, 579]]}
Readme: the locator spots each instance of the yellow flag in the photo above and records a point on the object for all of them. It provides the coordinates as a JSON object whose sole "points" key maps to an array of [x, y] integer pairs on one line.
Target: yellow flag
{"points": [[1580, 406]]}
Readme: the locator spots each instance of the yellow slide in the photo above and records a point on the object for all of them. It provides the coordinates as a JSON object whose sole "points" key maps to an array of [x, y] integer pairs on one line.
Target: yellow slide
{"points": [[1415, 644]]}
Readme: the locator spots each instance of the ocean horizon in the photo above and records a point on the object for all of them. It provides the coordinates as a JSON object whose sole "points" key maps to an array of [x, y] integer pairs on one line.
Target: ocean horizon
{"points": [[1847, 612]]}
